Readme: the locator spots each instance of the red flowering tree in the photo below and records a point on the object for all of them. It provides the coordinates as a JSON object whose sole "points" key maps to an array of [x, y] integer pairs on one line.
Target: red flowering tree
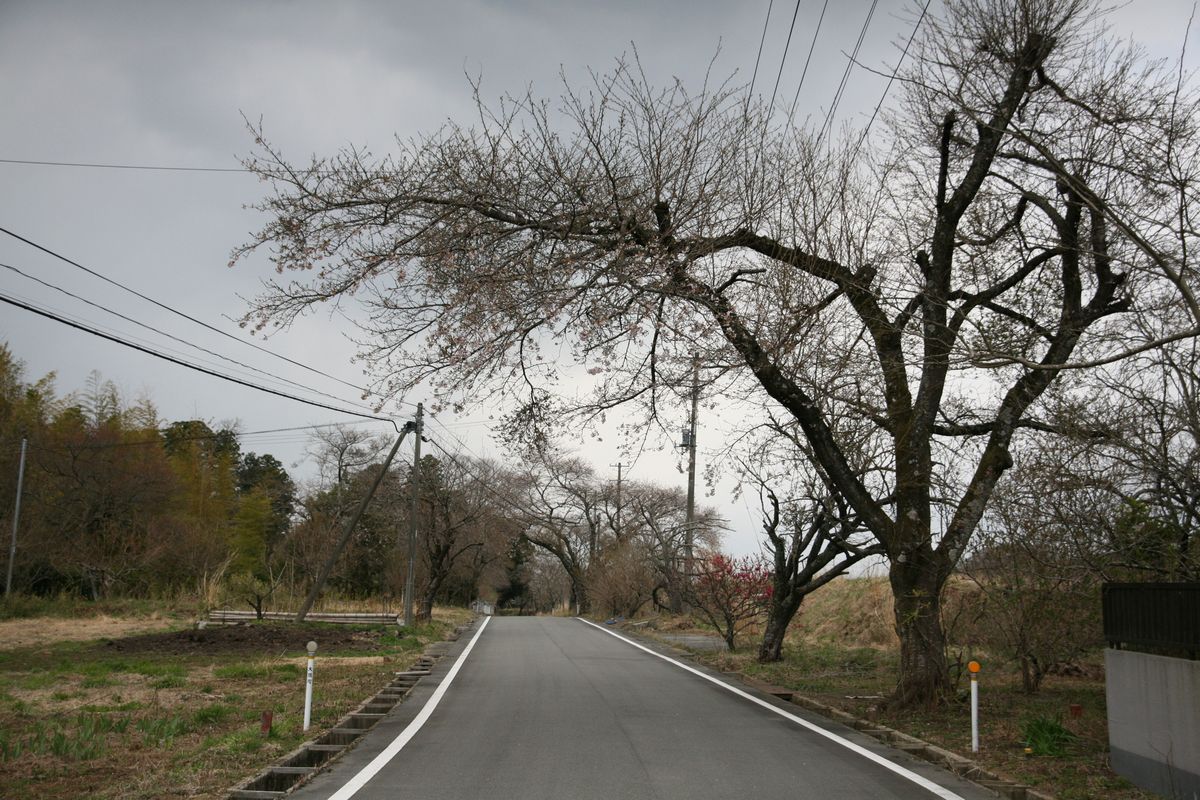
{"points": [[730, 593]]}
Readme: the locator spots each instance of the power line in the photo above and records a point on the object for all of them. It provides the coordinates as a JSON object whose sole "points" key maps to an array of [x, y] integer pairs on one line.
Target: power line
{"points": [[176, 312], [148, 327], [783, 60], [892, 77], [150, 351], [811, 46], [758, 57], [96, 165], [837, 97], [196, 438], [484, 483]]}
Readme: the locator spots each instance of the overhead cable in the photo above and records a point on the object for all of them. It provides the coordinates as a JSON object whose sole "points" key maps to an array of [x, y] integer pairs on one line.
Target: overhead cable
{"points": [[91, 165], [140, 324], [177, 312], [758, 57], [150, 351], [837, 96], [804, 73], [194, 438], [783, 60], [892, 77]]}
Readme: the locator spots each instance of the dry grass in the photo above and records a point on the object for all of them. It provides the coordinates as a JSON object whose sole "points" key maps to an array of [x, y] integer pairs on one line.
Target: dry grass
{"points": [[77, 713], [16, 633]]}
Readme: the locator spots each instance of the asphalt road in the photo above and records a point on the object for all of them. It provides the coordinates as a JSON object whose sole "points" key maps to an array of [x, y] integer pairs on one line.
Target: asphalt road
{"points": [[556, 708]]}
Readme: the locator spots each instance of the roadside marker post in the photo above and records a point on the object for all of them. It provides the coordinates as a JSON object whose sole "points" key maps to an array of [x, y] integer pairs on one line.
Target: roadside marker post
{"points": [[312, 652], [973, 668]]}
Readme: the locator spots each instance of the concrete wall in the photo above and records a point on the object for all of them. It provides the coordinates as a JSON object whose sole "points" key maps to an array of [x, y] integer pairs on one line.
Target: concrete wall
{"points": [[1154, 721]]}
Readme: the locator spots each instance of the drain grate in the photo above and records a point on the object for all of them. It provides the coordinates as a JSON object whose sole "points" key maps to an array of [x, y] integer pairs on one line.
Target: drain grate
{"points": [[311, 757]]}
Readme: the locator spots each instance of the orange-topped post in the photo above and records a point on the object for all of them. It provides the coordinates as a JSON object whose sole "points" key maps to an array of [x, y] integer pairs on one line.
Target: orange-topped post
{"points": [[973, 667]]}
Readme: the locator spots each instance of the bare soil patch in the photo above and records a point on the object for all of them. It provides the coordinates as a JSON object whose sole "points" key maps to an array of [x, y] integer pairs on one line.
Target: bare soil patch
{"points": [[274, 638]]}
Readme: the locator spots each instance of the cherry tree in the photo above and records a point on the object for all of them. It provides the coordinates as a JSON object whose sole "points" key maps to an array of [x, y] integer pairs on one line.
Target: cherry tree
{"points": [[1022, 220]]}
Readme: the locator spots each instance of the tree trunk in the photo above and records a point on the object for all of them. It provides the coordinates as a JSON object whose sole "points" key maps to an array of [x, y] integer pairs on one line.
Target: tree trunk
{"points": [[1031, 673], [425, 608], [425, 611], [779, 615], [924, 674], [675, 587], [579, 595]]}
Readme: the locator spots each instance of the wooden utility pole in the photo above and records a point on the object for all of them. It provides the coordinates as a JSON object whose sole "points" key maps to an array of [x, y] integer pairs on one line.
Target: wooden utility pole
{"points": [[410, 579], [327, 567], [689, 540]]}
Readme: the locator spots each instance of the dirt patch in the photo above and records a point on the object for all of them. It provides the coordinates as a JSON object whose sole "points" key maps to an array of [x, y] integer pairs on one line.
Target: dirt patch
{"points": [[275, 638], [15, 633]]}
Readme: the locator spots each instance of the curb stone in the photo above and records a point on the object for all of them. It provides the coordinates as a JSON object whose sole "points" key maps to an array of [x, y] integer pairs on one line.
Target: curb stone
{"points": [[963, 767], [959, 765]]}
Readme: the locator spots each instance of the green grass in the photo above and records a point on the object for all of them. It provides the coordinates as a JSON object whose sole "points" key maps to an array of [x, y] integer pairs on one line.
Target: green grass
{"points": [[97, 682], [169, 682], [156, 669], [160, 731], [98, 708], [1046, 736], [258, 671], [84, 741], [211, 715], [234, 672], [37, 680], [150, 748]]}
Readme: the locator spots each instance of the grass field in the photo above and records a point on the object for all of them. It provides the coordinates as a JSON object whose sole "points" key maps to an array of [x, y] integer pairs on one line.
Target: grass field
{"points": [[133, 703]]}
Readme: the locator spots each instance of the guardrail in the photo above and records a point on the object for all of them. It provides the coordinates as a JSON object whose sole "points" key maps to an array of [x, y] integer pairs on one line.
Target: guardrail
{"points": [[229, 616]]}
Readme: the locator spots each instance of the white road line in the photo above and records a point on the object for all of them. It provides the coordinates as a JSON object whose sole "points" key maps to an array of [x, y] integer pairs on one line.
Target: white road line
{"points": [[924, 783], [351, 787]]}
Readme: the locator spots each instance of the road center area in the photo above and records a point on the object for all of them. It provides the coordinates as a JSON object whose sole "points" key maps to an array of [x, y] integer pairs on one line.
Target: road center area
{"points": [[545, 707]]}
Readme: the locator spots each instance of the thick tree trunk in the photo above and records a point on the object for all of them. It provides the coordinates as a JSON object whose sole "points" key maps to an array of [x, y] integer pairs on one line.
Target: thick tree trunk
{"points": [[924, 674], [1031, 673], [779, 615], [425, 610], [579, 595]]}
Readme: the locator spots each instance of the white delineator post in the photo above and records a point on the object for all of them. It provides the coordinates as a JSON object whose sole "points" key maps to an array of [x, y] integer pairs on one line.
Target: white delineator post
{"points": [[973, 667], [312, 652]]}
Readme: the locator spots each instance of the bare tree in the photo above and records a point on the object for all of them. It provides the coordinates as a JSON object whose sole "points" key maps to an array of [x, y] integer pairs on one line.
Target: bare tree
{"points": [[564, 518], [810, 541], [1039, 601], [457, 508], [658, 522], [1153, 452], [1034, 200], [340, 451]]}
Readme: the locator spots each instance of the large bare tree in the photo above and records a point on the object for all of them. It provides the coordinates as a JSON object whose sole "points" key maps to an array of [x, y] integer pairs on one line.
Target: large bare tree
{"points": [[1029, 200]]}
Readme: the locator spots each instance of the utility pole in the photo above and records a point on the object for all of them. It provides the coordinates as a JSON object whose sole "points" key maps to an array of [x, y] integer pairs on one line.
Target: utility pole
{"points": [[689, 540], [327, 567], [410, 579], [12, 548], [617, 521]]}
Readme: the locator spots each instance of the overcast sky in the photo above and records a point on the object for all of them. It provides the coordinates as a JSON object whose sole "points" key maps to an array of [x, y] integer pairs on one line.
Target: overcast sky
{"points": [[166, 83]]}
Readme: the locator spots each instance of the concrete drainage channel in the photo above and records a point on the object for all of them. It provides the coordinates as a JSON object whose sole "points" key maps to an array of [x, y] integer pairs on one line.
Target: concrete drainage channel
{"points": [[310, 758]]}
